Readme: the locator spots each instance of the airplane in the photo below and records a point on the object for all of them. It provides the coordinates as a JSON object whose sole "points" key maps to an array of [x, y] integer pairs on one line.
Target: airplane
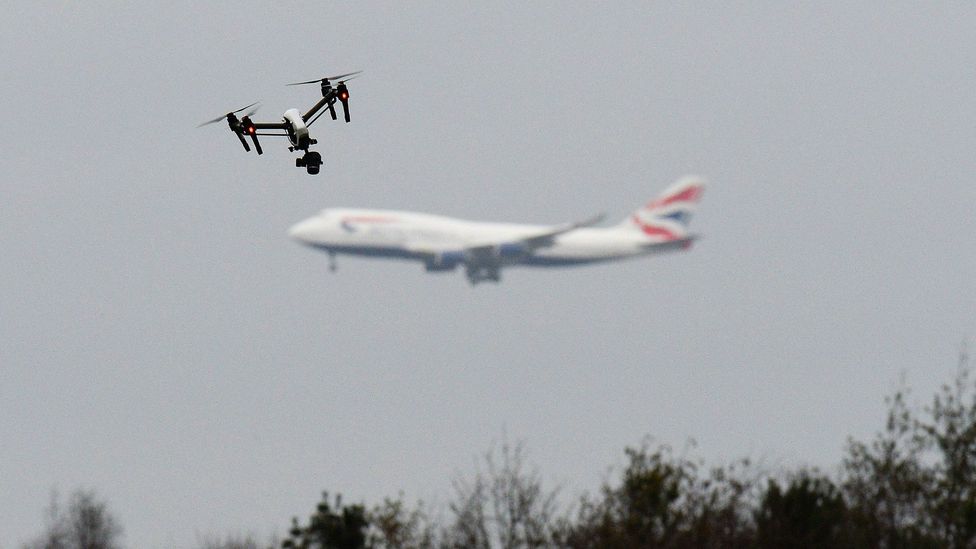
{"points": [[443, 243], [293, 123]]}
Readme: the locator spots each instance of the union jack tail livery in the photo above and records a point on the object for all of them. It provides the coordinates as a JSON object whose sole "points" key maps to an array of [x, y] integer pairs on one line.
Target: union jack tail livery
{"points": [[666, 218]]}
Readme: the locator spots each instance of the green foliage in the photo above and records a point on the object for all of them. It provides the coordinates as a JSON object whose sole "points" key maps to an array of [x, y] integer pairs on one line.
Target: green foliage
{"points": [[335, 526], [647, 509], [914, 485], [808, 512], [663, 501], [394, 526], [950, 433]]}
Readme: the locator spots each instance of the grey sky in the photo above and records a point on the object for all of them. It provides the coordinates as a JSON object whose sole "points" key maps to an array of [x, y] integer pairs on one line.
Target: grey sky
{"points": [[162, 341]]}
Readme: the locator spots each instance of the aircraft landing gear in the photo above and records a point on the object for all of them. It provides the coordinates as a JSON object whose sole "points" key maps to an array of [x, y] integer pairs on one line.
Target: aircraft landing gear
{"points": [[482, 273], [333, 266], [311, 161]]}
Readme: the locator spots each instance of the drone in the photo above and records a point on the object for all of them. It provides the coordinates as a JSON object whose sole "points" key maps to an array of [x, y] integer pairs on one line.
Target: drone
{"points": [[294, 124]]}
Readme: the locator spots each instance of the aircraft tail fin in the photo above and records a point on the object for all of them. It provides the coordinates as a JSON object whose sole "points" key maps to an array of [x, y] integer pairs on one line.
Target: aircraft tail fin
{"points": [[667, 217]]}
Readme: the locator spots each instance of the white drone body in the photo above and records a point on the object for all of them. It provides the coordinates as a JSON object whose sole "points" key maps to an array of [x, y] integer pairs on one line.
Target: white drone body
{"points": [[294, 125], [298, 130]]}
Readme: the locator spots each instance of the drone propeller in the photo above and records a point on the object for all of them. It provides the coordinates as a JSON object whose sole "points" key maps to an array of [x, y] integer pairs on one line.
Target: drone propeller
{"points": [[224, 116], [317, 80]]}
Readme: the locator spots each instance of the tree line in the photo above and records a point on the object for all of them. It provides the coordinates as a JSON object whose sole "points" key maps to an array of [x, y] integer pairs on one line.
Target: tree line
{"points": [[913, 485]]}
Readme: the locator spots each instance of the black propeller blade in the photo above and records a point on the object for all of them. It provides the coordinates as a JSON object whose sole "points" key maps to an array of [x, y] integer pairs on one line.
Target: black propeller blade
{"points": [[224, 117], [317, 80]]}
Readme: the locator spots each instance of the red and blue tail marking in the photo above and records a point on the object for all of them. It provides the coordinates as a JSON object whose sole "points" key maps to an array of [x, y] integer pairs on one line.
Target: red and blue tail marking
{"points": [[667, 217]]}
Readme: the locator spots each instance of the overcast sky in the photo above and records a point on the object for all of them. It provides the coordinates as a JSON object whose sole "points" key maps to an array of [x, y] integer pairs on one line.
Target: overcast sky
{"points": [[163, 342]]}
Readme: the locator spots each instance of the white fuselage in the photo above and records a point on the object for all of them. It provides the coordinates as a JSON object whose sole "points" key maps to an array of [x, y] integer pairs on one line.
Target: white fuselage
{"points": [[483, 248], [409, 235]]}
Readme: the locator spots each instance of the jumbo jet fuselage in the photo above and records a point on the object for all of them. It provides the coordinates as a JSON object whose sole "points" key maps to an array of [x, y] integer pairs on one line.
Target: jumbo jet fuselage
{"points": [[443, 243]]}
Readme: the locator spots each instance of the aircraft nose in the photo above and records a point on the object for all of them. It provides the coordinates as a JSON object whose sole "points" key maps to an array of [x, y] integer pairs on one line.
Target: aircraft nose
{"points": [[304, 231]]}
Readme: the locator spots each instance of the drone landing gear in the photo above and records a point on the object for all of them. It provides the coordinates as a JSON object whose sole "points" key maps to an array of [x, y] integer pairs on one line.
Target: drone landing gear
{"points": [[311, 161]]}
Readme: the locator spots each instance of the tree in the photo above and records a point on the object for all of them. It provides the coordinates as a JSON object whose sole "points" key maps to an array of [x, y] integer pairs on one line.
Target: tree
{"points": [[809, 511], [884, 481], [85, 524], [720, 507], [507, 508], [338, 527], [394, 526], [915, 483], [654, 505], [232, 542], [949, 432]]}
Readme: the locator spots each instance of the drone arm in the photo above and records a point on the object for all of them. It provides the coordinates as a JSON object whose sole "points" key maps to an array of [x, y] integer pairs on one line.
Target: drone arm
{"points": [[331, 111], [270, 126], [326, 100], [251, 128]]}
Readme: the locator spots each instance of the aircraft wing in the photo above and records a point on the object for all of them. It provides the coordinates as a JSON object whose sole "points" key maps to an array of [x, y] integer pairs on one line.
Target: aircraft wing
{"points": [[529, 243], [488, 253]]}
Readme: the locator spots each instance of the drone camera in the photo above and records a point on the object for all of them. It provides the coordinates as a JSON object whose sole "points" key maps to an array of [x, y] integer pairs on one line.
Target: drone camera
{"points": [[311, 161]]}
